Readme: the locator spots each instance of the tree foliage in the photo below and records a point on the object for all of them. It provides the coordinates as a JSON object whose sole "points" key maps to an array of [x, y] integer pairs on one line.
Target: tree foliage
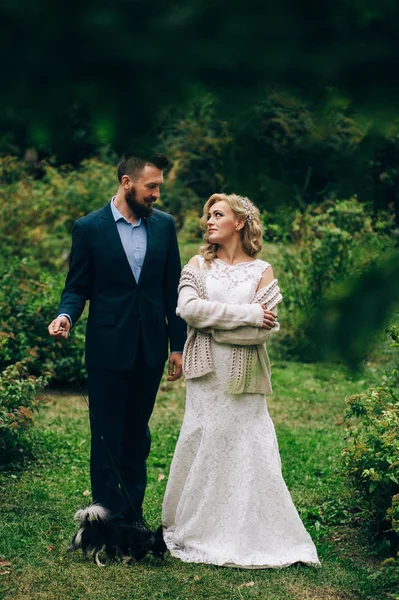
{"points": [[105, 71]]}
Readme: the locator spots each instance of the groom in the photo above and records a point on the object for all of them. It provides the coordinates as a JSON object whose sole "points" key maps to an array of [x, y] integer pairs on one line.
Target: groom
{"points": [[125, 261]]}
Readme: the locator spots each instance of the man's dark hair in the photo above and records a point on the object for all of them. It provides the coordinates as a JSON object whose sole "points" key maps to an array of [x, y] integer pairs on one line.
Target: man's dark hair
{"points": [[134, 165]]}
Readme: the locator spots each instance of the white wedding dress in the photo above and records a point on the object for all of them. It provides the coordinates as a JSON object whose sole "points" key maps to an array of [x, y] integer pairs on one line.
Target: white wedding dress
{"points": [[226, 502]]}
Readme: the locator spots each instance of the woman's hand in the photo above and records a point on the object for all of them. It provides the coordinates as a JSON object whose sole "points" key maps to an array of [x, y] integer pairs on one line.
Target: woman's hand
{"points": [[269, 318]]}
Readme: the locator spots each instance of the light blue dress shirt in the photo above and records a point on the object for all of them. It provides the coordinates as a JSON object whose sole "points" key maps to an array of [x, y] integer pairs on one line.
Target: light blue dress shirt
{"points": [[133, 238], [134, 242]]}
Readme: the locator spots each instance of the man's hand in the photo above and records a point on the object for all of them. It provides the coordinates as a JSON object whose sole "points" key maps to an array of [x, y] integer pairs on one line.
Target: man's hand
{"points": [[60, 327], [269, 318], [175, 366]]}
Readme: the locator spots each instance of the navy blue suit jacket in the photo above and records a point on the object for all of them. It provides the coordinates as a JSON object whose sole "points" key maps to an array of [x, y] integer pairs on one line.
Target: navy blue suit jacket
{"points": [[122, 309]]}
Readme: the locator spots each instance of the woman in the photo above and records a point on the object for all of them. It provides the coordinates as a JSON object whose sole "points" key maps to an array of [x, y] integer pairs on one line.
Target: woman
{"points": [[226, 502]]}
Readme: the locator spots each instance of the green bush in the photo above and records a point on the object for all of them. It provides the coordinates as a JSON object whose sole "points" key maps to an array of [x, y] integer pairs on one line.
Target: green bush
{"points": [[371, 457], [20, 395], [37, 214], [196, 142], [28, 301], [325, 244]]}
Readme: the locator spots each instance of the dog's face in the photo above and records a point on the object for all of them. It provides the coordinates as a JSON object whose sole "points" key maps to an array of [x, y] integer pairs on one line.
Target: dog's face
{"points": [[137, 543], [158, 546]]}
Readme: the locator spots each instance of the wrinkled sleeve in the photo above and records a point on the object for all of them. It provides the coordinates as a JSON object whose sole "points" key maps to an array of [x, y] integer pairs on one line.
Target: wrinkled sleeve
{"points": [[244, 336], [203, 314]]}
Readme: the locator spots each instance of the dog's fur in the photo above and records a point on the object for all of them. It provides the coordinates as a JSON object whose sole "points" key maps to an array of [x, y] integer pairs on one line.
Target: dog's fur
{"points": [[97, 533]]}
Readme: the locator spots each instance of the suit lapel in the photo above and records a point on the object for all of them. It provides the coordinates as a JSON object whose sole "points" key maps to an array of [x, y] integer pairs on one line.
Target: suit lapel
{"points": [[151, 242], [115, 249]]}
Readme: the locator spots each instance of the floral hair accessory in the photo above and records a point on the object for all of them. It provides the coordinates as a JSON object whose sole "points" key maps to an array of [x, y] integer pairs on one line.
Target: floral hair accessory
{"points": [[247, 207]]}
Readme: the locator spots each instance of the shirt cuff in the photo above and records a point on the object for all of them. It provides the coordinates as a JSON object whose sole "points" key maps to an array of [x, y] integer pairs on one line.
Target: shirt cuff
{"points": [[66, 315]]}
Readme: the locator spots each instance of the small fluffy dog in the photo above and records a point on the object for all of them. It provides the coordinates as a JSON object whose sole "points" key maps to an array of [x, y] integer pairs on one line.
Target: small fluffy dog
{"points": [[97, 533]]}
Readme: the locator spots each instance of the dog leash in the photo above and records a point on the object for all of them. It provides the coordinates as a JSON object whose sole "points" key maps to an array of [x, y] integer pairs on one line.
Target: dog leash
{"points": [[119, 476]]}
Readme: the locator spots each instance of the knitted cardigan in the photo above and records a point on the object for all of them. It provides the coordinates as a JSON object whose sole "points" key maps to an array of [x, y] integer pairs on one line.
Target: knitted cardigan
{"points": [[238, 325]]}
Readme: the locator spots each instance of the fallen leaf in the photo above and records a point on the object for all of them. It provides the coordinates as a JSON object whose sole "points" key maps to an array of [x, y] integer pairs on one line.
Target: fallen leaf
{"points": [[5, 572], [86, 493], [250, 584], [161, 477], [4, 562], [50, 548], [196, 578]]}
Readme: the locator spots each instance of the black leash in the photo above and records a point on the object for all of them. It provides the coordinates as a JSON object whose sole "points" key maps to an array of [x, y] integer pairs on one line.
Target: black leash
{"points": [[139, 517]]}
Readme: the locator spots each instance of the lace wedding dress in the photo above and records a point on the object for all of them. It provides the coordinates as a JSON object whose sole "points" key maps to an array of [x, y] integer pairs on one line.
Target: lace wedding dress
{"points": [[226, 502]]}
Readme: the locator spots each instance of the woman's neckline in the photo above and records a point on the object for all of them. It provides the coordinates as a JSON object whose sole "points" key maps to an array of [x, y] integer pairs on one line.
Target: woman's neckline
{"points": [[243, 262]]}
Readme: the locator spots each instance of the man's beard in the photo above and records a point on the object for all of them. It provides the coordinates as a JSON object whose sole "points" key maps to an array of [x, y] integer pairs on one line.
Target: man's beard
{"points": [[139, 209]]}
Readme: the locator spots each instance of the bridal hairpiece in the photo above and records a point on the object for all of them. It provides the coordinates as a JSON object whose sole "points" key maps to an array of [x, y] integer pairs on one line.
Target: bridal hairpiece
{"points": [[247, 207]]}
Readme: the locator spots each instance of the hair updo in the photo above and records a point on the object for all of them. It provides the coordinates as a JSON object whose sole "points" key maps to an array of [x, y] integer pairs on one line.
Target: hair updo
{"points": [[251, 233]]}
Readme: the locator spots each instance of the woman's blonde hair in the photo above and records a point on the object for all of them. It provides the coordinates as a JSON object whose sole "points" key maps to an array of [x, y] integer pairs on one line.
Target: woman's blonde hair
{"points": [[251, 233]]}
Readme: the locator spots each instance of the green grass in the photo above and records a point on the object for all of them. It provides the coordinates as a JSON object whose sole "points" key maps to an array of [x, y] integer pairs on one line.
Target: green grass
{"points": [[38, 503]]}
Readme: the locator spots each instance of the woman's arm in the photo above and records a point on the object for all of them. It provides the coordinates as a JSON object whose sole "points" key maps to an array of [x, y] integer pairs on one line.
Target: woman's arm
{"points": [[249, 336], [245, 336], [203, 314]]}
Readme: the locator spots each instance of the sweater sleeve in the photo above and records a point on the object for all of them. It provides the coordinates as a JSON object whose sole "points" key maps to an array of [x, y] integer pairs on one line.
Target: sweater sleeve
{"points": [[244, 336], [202, 314], [252, 336]]}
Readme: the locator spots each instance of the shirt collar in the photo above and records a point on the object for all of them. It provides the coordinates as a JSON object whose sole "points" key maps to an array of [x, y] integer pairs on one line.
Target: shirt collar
{"points": [[118, 216]]}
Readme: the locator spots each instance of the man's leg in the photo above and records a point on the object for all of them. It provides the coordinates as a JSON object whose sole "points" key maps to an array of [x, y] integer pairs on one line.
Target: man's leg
{"points": [[109, 395], [136, 438]]}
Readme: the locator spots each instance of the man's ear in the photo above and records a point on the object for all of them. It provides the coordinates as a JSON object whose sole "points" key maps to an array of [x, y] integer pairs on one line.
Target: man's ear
{"points": [[126, 181]]}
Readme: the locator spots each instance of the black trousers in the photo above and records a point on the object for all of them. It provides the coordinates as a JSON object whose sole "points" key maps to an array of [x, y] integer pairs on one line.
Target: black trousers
{"points": [[121, 403]]}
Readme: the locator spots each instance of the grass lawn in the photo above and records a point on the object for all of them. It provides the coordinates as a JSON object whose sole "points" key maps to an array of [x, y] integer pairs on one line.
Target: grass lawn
{"points": [[38, 503]]}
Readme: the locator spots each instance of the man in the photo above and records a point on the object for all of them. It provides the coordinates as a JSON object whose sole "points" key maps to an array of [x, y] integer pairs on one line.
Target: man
{"points": [[125, 261]]}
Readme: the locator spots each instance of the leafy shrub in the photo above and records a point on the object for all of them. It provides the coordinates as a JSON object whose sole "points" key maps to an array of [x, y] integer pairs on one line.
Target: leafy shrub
{"points": [[335, 239], [277, 226], [37, 214], [329, 242], [28, 301], [20, 395], [372, 456], [197, 143], [191, 230]]}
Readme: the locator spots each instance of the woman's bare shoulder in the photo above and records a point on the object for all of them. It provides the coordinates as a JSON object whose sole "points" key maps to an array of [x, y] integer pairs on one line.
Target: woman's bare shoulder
{"points": [[267, 277], [194, 262]]}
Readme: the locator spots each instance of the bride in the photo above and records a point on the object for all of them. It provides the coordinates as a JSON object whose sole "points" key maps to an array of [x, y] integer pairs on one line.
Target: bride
{"points": [[226, 502]]}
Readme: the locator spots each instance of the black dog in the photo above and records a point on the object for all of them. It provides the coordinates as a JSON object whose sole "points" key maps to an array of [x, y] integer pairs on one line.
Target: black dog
{"points": [[98, 533]]}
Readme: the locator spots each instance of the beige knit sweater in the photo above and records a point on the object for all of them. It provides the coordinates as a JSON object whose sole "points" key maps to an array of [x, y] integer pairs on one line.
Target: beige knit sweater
{"points": [[238, 325]]}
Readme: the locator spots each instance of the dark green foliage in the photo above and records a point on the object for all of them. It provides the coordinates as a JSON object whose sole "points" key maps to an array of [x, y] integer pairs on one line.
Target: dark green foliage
{"points": [[371, 460], [197, 142], [97, 73], [286, 153], [19, 399], [38, 212], [28, 300], [328, 244], [344, 325]]}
